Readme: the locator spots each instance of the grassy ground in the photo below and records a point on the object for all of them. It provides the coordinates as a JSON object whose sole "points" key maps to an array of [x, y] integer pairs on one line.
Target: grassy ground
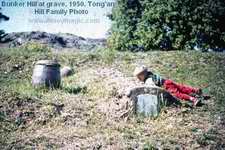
{"points": [[83, 114]]}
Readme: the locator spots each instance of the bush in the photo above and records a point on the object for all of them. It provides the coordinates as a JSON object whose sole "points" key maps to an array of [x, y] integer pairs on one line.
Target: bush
{"points": [[125, 16], [2, 18], [168, 24]]}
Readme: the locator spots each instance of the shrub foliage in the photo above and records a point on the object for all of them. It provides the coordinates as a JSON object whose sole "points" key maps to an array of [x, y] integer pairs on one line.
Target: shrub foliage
{"points": [[148, 24], [2, 18]]}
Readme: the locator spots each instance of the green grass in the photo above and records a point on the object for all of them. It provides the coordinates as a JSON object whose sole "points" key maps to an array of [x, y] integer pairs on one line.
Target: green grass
{"points": [[71, 113]]}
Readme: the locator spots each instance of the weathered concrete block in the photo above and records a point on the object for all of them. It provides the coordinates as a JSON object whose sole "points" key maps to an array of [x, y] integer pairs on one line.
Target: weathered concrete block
{"points": [[148, 105], [148, 101]]}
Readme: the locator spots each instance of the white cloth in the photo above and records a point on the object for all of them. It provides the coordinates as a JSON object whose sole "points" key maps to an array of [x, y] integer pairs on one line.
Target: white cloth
{"points": [[149, 82]]}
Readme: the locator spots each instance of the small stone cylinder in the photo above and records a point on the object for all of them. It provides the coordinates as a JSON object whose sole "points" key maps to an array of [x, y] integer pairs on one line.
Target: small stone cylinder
{"points": [[46, 73]]}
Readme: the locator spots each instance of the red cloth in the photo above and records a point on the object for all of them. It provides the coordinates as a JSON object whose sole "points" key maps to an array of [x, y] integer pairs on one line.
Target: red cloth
{"points": [[180, 91]]}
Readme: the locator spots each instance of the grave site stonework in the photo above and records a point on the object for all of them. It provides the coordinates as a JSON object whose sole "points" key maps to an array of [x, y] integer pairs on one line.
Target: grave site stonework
{"points": [[148, 101]]}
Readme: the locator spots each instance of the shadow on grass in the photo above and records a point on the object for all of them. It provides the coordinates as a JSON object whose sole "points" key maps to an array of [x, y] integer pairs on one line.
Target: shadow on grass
{"points": [[75, 89]]}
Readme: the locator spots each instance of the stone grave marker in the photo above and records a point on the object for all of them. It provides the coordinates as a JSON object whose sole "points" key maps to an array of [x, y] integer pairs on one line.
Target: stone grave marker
{"points": [[148, 101]]}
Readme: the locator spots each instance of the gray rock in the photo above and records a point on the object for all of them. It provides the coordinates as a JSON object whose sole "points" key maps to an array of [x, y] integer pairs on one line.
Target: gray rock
{"points": [[66, 71]]}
